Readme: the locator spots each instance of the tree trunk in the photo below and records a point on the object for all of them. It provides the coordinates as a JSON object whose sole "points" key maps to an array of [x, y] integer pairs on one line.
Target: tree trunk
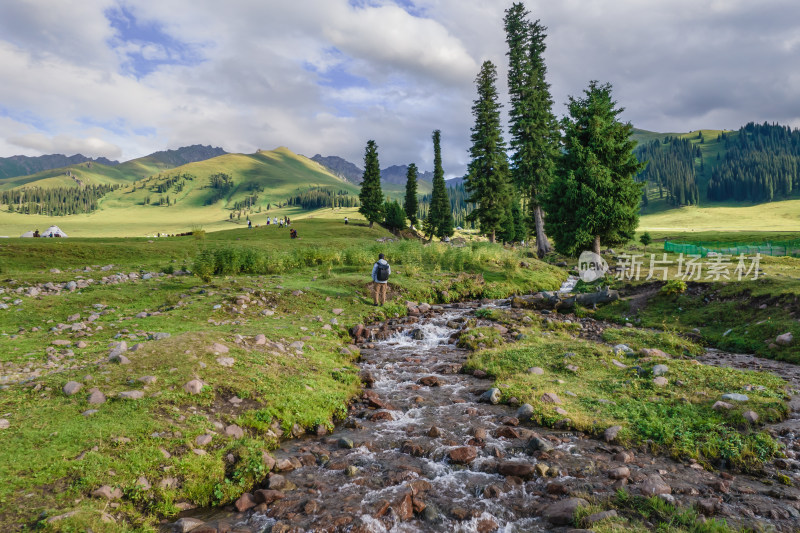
{"points": [[542, 246], [491, 236], [370, 224], [596, 244]]}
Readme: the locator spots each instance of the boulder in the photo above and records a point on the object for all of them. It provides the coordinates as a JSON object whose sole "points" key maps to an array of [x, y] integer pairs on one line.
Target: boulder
{"points": [[784, 340], [246, 501], [184, 525], [96, 397], [750, 416], [611, 433], [525, 411], [521, 470], [491, 396], [719, 405]]}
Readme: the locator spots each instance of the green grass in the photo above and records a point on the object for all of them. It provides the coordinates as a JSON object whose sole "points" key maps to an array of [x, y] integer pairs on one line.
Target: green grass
{"points": [[330, 264], [676, 419]]}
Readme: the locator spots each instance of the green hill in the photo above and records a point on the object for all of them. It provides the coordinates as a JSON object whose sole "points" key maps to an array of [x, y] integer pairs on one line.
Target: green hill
{"points": [[151, 199]]}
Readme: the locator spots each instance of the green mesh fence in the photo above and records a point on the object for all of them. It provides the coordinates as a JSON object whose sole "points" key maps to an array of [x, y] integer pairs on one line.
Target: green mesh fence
{"points": [[790, 248]]}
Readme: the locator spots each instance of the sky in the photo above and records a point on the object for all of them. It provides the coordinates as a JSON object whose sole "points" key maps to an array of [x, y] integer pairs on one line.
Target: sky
{"points": [[122, 79]]}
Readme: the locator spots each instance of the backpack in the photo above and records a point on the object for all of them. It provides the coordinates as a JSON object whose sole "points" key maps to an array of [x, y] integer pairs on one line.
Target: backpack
{"points": [[382, 273]]}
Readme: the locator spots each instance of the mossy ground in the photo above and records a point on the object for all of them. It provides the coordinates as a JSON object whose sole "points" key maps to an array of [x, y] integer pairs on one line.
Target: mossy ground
{"points": [[676, 419]]}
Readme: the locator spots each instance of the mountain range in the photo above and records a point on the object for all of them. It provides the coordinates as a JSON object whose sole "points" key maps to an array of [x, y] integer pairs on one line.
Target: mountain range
{"points": [[395, 174]]}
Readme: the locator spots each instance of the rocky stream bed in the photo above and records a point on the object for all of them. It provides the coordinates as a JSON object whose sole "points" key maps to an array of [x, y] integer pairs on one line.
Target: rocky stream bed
{"points": [[424, 449]]}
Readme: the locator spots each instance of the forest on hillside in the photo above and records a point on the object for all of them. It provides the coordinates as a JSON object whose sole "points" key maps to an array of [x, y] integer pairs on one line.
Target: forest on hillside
{"points": [[760, 164]]}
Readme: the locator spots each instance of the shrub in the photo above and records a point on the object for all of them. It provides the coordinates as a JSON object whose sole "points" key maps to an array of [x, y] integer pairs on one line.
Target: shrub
{"points": [[674, 286]]}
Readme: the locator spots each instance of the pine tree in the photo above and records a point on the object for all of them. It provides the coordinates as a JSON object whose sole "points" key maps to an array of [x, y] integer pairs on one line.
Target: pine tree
{"points": [[371, 195], [411, 203], [594, 197], [487, 179], [440, 215], [533, 126]]}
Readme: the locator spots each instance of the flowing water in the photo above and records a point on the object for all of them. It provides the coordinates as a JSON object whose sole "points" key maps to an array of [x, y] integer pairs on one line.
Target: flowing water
{"points": [[402, 461]]}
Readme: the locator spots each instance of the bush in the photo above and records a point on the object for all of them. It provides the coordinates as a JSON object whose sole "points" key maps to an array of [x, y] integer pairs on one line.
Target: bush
{"points": [[674, 286], [395, 216]]}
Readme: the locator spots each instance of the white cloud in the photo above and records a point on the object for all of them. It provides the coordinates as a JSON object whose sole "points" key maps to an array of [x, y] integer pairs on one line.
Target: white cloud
{"points": [[64, 144], [674, 68]]}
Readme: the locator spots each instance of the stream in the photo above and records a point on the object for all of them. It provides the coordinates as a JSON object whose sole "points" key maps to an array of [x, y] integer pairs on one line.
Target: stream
{"points": [[419, 452]]}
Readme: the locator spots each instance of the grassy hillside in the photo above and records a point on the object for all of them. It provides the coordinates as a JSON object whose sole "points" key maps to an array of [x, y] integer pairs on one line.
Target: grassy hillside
{"points": [[729, 217], [138, 208]]}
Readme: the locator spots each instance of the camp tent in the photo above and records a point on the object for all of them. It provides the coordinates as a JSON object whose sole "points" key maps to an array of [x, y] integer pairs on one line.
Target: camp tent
{"points": [[53, 231], [27, 234]]}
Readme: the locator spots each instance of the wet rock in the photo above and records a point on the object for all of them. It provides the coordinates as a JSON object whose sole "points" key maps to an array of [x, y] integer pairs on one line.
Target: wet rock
{"points": [[525, 411], [520, 470], [463, 455], [624, 457], [277, 482], [434, 432], [611, 433], [345, 443], [653, 485], [367, 378], [71, 387], [381, 416], [562, 512], [404, 507], [184, 525], [491, 396], [268, 496], [375, 401], [480, 374], [412, 449], [431, 514], [506, 432], [246, 501], [708, 506], [550, 397], [538, 444], [556, 488], [430, 381]]}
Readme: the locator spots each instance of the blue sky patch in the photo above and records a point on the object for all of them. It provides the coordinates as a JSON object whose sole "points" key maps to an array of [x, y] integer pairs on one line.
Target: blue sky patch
{"points": [[145, 44]]}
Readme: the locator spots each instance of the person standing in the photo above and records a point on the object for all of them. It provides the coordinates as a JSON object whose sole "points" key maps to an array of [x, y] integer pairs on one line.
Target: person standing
{"points": [[380, 279]]}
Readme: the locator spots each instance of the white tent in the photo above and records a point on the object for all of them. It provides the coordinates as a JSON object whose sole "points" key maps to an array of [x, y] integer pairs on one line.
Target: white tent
{"points": [[53, 231], [26, 234]]}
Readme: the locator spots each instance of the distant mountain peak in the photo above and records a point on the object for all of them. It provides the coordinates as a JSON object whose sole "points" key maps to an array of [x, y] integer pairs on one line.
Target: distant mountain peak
{"points": [[395, 174], [187, 154], [22, 165]]}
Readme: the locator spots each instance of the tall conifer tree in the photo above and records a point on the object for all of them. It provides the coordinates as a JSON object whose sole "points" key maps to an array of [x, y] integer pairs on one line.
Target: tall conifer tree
{"points": [[411, 203], [533, 126], [440, 215], [371, 195], [487, 179], [594, 197]]}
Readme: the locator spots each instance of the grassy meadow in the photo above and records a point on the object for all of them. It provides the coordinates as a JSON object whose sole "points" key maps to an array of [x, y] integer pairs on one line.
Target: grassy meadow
{"points": [[306, 296]]}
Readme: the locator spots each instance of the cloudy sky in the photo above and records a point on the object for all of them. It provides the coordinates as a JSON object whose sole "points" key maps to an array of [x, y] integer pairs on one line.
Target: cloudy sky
{"points": [[122, 79]]}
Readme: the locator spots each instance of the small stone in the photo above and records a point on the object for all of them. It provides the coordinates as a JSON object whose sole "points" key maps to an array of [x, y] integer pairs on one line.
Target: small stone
{"points": [[550, 397], [193, 387], [260, 339], [143, 483], [71, 387], [539, 444], [131, 395], [491, 396], [345, 443], [525, 411], [184, 525], [602, 515], [246, 501], [463, 455], [148, 380], [4, 423], [225, 361], [234, 431], [219, 348], [622, 472], [562, 513], [96, 397], [337, 311], [720, 405], [611, 433], [736, 397], [750, 416], [536, 370], [202, 440], [785, 340], [107, 492], [653, 485], [660, 381], [660, 370]]}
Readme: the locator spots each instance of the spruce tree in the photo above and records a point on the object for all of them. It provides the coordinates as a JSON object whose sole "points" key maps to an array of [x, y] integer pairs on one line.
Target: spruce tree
{"points": [[440, 215], [411, 204], [594, 197], [487, 179], [533, 126], [371, 195]]}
